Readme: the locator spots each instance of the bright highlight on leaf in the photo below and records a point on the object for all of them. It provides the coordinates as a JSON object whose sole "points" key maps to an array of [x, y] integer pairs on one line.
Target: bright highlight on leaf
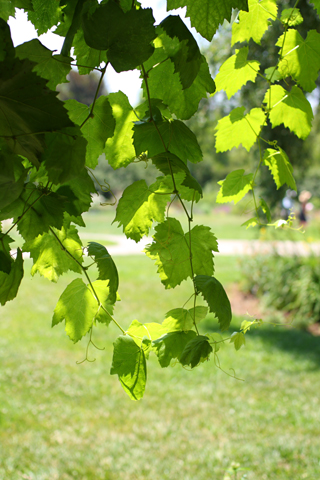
{"points": [[234, 187], [236, 72], [281, 169]]}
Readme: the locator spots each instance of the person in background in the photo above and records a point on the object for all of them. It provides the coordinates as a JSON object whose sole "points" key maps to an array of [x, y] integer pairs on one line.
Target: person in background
{"points": [[304, 198]]}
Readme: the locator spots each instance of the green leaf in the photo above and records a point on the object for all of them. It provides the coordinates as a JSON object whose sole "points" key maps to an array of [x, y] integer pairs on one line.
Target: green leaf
{"points": [[280, 167], [119, 150], [70, 160], [207, 15], [10, 282], [171, 251], [90, 57], [236, 72], [178, 138], [49, 259], [109, 28], [272, 74], [96, 129], [6, 259], [252, 222], [180, 319], [196, 351], [316, 4], [170, 346], [216, 297], [45, 15], [138, 208], [290, 108], [129, 363], [78, 307], [139, 330], [239, 128], [164, 84], [234, 187], [300, 58], [106, 266], [53, 68], [254, 23], [187, 60], [291, 17], [82, 186], [102, 291], [265, 208], [28, 108], [7, 9], [238, 339], [12, 177]]}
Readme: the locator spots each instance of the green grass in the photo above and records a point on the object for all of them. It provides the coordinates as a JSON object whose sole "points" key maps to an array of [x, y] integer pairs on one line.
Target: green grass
{"points": [[63, 421]]}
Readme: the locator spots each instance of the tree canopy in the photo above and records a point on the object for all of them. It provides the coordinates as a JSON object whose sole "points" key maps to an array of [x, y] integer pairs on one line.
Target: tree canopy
{"points": [[50, 148]]}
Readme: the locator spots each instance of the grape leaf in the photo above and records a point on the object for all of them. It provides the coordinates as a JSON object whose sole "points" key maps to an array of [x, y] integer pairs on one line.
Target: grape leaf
{"points": [[171, 251], [28, 108], [238, 339], [178, 138], [87, 58], [254, 23], [53, 68], [216, 297], [12, 177], [290, 108], [119, 150], [187, 59], [316, 4], [96, 129], [45, 15], [49, 259], [7, 9], [180, 319], [139, 330], [78, 307], [164, 84], [7, 50], [70, 161], [129, 363], [238, 128], [234, 187], [106, 266], [280, 167], [5, 257], [109, 28], [10, 282], [138, 208], [82, 186], [207, 15], [196, 351], [171, 346], [265, 208], [291, 17], [300, 58], [236, 72], [102, 291]]}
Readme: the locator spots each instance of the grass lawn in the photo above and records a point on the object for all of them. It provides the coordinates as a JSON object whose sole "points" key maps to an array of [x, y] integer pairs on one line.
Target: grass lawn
{"points": [[63, 421]]}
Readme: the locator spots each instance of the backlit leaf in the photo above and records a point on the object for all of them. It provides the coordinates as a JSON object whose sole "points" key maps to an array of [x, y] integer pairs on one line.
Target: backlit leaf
{"points": [[291, 17], [254, 23], [170, 346], [106, 266], [180, 319], [281, 169], [238, 339], [234, 187], [10, 282], [196, 351]]}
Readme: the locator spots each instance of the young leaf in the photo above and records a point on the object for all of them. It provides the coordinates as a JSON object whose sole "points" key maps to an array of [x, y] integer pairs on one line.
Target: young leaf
{"points": [[280, 167], [53, 68], [138, 208], [216, 297], [187, 59], [109, 28], [291, 17], [180, 319], [49, 259], [238, 339], [290, 108], [207, 15], [170, 346], [139, 330], [96, 129], [119, 150], [234, 187], [196, 351], [102, 291], [236, 71], [10, 282], [300, 58], [254, 23], [171, 252], [78, 307], [106, 266], [238, 128], [129, 363]]}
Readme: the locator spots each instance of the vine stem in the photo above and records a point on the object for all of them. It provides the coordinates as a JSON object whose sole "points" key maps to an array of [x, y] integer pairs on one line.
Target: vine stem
{"points": [[103, 71], [84, 269], [176, 192]]}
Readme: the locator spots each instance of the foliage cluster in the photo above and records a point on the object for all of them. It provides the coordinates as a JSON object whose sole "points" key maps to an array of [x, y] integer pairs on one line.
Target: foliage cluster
{"points": [[288, 284], [49, 150]]}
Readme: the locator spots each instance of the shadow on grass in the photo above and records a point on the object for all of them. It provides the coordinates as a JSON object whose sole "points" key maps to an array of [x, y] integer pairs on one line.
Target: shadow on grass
{"points": [[289, 339]]}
